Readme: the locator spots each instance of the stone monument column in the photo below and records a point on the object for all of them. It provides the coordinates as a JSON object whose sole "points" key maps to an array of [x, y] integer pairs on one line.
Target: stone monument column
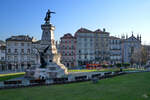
{"points": [[48, 39], [49, 58]]}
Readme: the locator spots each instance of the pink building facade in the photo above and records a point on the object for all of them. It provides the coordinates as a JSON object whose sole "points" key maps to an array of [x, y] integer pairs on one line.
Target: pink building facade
{"points": [[67, 49]]}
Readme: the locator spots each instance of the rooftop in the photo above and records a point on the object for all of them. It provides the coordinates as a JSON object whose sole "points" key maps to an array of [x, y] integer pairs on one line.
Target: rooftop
{"points": [[83, 30], [20, 38], [67, 36]]}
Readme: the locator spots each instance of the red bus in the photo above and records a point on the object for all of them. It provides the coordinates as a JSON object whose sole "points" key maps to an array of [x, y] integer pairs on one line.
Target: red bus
{"points": [[93, 66]]}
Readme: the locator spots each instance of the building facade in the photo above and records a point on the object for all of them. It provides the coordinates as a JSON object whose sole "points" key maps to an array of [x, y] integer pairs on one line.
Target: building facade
{"points": [[92, 47], [67, 48], [115, 47], [2, 57], [85, 48], [18, 53], [130, 46], [101, 46], [146, 50]]}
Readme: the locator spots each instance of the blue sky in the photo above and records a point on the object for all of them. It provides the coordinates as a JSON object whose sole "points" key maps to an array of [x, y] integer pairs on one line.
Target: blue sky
{"points": [[117, 16]]}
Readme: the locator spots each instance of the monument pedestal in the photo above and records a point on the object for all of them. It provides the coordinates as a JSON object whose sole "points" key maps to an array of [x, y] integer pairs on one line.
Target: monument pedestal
{"points": [[52, 70]]}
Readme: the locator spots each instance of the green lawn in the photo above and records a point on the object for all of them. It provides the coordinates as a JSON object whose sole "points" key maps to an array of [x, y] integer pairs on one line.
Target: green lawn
{"points": [[4, 77], [104, 70], [127, 87]]}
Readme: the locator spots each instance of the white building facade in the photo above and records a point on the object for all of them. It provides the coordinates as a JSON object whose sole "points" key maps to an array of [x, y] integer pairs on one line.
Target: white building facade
{"points": [[115, 46], [92, 47], [2, 57], [85, 47], [101, 46], [130, 46], [18, 53]]}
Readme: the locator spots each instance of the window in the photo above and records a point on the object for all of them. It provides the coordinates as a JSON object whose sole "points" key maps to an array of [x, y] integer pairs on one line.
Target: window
{"points": [[16, 44], [85, 57], [8, 57], [79, 57], [28, 58], [15, 58], [8, 44], [28, 44], [72, 47], [16, 51], [28, 51], [2, 58], [9, 50], [22, 50], [22, 44], [22, 58], [79, 51]]}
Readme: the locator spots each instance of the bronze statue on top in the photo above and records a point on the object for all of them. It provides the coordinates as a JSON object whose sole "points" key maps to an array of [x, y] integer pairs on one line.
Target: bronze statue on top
{"points": [[48, 16]]}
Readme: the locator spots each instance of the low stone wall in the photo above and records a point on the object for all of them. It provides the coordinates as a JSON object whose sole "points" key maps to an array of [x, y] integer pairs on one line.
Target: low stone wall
{"points": [[72, 78]]}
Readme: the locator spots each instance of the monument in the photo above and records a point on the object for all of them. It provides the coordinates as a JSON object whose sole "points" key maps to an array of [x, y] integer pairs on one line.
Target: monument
{"points": [[50, 66]]}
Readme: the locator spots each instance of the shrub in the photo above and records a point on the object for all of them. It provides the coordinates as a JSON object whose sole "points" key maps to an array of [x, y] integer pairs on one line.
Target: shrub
{"points": [[118, 65], [126, 65]]}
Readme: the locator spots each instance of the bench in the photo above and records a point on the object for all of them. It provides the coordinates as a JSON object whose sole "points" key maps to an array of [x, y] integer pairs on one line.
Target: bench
{"points": [[96, 75], [80, 78], [13, 82], [108, 74], [37, 81], [60, 80]]}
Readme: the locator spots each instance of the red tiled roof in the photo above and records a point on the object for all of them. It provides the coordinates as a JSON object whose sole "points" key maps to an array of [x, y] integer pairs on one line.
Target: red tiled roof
{"points": [[113, 37], [83, 30], [68, 35]]}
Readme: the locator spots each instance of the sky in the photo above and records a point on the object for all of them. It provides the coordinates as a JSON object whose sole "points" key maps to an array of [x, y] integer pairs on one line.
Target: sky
{"points": [[24, 17]]}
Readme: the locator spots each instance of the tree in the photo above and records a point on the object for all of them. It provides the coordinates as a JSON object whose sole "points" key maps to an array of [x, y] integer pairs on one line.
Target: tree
{"points": [[118, 65], [139, 56], [125, 65], [144, 56]]}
